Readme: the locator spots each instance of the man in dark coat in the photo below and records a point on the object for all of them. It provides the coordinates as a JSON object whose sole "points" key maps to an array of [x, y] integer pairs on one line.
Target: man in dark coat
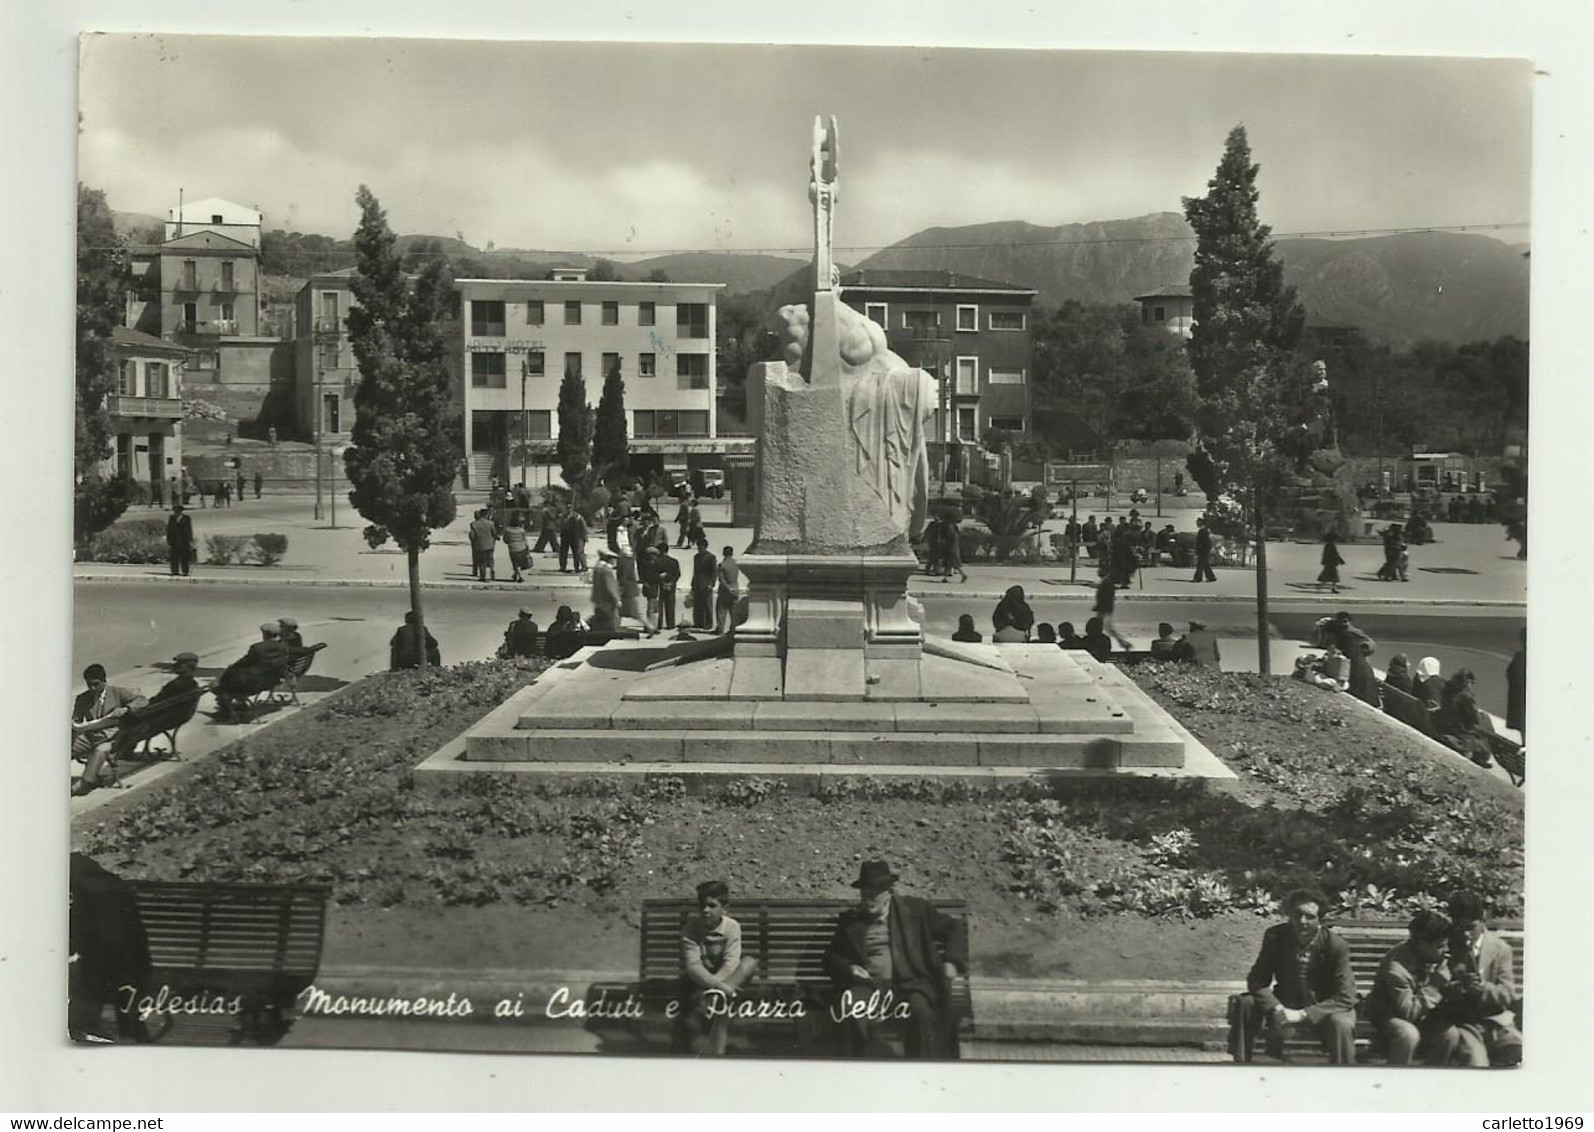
{"points": [[405, 650], [108, 951], [547, 531], [1516, 689], [258, 669], [174, 703], [1203, 553], [1302, 976], [260, 481], [669, 572], [520, 639], [705, 568], [180, 540], [893, 958]]}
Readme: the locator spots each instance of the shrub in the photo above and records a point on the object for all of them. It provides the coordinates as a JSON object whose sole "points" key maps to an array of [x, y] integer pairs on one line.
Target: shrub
{"points": [[270, 548], [223, 550], [96, 504], [139, 541]]}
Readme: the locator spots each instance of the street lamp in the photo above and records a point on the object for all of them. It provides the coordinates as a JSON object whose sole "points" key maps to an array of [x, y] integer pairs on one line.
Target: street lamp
{"points": [[525, 436]]}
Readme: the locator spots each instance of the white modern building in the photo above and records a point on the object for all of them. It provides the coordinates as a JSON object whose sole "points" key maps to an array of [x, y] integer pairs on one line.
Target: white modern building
{"points": [[517, 338]]}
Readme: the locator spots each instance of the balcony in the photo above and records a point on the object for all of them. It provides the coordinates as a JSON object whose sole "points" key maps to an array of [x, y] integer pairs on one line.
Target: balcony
{"points": [[225, 286], [166, 408], [212, 327], [186, 285], [328, 324]]}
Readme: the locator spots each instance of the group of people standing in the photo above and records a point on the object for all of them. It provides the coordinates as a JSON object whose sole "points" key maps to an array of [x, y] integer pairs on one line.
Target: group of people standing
{"points": [[180, 489]]}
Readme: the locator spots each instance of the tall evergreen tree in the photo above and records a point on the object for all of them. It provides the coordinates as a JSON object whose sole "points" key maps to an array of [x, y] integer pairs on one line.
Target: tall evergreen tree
{"points": [[406, 437], [575, 428], [102, 281], [610, 440], [1254, 401]]}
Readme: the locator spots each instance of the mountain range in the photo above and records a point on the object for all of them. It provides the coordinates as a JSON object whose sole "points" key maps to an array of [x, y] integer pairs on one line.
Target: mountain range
{"points": [[1449, 286]]}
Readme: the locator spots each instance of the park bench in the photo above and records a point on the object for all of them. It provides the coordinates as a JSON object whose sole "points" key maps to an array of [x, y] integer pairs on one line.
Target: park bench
{"points": [[286, 689], [1369, 942], [257, 943], [788, 938], [1416, 714]]}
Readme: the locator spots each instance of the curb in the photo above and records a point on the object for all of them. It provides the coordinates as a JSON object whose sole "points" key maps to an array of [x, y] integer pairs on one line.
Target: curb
{"points": [[1328, 600]]}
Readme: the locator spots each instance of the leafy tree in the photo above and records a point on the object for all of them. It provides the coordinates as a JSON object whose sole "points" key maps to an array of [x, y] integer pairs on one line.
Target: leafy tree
{"points": [[1255, 409], [658, 275], [610, 442], [603, 271], [102, 281], [575, 427], [407, 436]]}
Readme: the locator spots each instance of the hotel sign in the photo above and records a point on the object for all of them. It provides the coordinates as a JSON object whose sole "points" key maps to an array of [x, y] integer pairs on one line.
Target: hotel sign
{"points": [[503, 346]]}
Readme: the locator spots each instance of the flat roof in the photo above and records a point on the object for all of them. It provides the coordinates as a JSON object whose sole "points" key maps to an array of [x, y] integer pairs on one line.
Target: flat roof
{"points": [[586, 283]]}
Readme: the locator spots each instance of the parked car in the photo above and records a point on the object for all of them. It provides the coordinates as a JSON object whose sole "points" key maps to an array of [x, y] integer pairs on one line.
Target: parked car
{"points": [[711, 482]]}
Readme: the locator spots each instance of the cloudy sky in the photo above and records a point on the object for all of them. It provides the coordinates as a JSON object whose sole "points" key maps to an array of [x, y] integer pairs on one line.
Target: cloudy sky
{"points": [[625, 148]]}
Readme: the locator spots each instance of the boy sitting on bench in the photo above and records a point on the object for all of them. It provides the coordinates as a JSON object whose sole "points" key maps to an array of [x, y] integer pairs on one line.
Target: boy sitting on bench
{"points": [[713, 971]]}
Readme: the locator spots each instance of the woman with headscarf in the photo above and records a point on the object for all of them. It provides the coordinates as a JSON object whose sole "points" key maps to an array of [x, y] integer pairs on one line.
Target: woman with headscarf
{"points": [[1332, 561], [1013, 610], [1399, 675], [1461, 726], [966, 632], [1426, 685], [1358, 649]]}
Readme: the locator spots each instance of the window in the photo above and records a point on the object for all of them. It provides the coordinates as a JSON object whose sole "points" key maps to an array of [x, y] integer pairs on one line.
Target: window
{"points": [[1159, 314], [329, 305], [573, 365], [1007, 320], [644, 314], [538, 424], [968, 370], [215, 218], [1004, 376], [487, 370], [534, 312], [966, 423], [667, 423], [877, 313], [645, 366], [536, 365], [611, 314], [190, 275], [226, 275], [329, 356], [487, 431], [226, 312], [155, 379], [487, 318], [1008, 424], [127, 379], [611, 363], [968, 318], [190, 316], [922, 323], [573, 312], [691, 371], [691, 320]]}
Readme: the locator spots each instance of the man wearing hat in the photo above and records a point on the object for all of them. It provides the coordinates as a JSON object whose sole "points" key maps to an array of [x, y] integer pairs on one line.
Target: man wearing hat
{"points": [[605, 593], [1198, 646], [520, 639], [258, 669], [408, 648], [97, 709], [900, 953], [288, 632], [179, 540], [170, 707]]}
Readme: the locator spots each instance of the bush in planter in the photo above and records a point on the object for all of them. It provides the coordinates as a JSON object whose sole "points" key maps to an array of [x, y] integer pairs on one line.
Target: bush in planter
{"points": [[139, 541], [223, 550], [270, 548]]}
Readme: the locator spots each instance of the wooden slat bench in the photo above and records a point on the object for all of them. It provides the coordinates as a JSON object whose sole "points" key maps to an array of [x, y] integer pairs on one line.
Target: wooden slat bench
{"points": [[1369, 942], [788, 938], [162, 719], [257, 943]]}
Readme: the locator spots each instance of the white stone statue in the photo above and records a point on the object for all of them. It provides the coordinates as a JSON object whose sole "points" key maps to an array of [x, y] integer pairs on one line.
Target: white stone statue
{"points": [[824, 190]]}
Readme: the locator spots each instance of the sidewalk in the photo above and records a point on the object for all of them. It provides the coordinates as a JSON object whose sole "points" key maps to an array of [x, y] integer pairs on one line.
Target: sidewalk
{"points": [[1469, 565]]}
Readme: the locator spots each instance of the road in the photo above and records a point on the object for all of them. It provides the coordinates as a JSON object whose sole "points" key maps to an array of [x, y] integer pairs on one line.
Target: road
{"points": [[133, 624]]}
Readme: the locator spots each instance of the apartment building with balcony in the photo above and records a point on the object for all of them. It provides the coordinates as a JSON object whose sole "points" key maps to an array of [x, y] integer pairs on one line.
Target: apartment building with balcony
{"points": [[200, 288], [324, 373], [146, 410], [972, 334]]}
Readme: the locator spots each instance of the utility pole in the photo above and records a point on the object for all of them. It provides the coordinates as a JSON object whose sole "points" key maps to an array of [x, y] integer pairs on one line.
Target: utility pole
{"points": [[1073, 558], [525, 437], [320, 412]]}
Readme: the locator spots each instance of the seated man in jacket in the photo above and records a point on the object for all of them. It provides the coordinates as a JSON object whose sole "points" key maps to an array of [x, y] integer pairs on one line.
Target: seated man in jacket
{"points": [[893, 958], [258, 669], [520, 638], [1480, 999], [407, 648], [167, 708], [1301, 976], [98, 709], [1409, 985]]}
